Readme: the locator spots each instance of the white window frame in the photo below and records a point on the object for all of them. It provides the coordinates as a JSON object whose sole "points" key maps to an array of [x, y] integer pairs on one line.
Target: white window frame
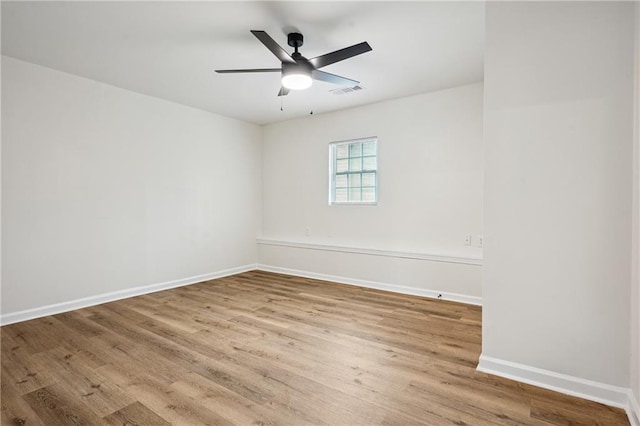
{"points": [[332, 172]]}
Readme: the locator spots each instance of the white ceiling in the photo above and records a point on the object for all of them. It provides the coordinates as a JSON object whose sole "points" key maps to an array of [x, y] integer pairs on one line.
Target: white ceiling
{"points": [[170, 49]]}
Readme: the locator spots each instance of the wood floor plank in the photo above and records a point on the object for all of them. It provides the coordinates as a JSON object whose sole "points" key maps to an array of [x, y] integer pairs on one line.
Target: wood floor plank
{"points": [[34, 335], [135, 414], [269, 349], [56, 407], [569, 412], [15, 411], [84, 383], [25, 373], [221, 400], [80, 324], [173, 407]]}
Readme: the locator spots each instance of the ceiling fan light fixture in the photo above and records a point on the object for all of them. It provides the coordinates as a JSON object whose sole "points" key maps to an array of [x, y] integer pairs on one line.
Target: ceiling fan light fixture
{"points": [[297, 80]]}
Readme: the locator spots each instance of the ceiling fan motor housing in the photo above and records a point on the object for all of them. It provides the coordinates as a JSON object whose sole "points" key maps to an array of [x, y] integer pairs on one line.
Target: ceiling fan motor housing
{"points": [[300, 67]]}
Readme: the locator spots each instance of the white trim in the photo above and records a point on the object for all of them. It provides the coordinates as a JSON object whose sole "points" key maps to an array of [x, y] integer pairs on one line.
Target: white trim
{"points": [[414, 291], [58, 308], [582, 388], [374, 252], [633, 409]]}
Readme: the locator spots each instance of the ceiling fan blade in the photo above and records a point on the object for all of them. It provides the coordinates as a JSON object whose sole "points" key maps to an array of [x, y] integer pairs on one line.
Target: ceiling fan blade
{"points": [[283, 91], [332, 78], [249, 70], [273, 46], [340, 55]]}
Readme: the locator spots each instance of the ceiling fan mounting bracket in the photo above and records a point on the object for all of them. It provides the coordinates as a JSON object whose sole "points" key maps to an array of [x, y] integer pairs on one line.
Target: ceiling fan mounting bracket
{"points": [[295, 40]]}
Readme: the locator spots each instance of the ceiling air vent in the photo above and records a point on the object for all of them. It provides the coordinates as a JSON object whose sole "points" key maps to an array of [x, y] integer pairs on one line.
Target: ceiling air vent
{"points": [[343, 90]]}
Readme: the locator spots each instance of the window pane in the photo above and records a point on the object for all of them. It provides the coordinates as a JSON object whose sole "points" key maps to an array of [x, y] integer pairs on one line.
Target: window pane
{"points": [[369, 148], [355, 164], [368, 179], [341, 181], [368, 195], [355, 150], [369, 163], [342, 166], [342, 151]]}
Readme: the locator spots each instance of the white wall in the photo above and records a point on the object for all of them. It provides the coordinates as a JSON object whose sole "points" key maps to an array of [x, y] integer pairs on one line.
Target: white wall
{"points": [[105, 189], [430, 191], [558, 172], [635, 282]]}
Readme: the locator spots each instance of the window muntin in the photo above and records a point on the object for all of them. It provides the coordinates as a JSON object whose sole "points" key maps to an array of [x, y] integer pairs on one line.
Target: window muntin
{"points": [[354, 171]]}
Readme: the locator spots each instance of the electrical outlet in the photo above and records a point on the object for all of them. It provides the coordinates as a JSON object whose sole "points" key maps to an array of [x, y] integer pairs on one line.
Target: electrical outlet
{"points": [[307, 232], [467, 240], [479, 241]]}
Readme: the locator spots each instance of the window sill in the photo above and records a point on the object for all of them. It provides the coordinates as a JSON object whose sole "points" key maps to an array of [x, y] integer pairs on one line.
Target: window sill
{"points": [[353, 203]]}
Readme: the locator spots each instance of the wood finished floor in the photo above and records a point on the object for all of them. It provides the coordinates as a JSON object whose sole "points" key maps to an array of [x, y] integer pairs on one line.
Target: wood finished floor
{"points": [[262, 349]]}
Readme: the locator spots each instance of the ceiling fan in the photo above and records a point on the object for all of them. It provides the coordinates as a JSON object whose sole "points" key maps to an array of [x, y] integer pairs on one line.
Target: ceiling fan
{"points": [[299, 72]]}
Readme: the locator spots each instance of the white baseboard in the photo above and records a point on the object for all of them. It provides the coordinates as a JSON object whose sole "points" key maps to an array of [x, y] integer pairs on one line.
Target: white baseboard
{"points": [[633, 409], [454, 297], [58, 308], [575, 386]]}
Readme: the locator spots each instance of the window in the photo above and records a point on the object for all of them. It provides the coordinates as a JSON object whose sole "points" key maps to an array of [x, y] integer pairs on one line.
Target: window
{"points": [[354, 171]]}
